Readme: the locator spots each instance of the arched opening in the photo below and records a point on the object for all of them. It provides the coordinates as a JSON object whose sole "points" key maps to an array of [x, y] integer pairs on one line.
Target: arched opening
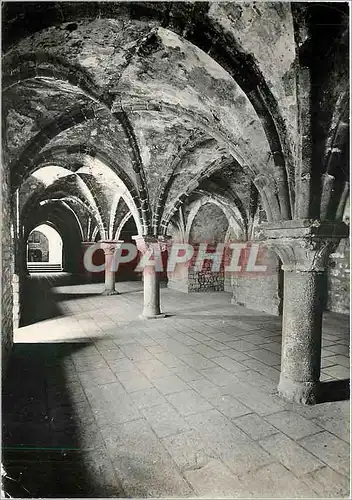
{"points": [[207, 227], [44, 249]]}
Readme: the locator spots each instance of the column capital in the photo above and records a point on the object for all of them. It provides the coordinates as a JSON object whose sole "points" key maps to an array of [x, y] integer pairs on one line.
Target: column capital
{"points": [[145, 243], [109, 247], [303, 245]]}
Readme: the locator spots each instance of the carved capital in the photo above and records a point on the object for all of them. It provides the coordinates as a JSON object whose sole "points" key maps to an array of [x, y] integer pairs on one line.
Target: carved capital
{"points": [[152, 243], [110, 247], [303, 245]]}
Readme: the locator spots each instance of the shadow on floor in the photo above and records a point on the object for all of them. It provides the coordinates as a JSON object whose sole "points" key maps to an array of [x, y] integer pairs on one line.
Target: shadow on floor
{"points": [[51, 445], [61, 297], [38, 301], [334, 390]]}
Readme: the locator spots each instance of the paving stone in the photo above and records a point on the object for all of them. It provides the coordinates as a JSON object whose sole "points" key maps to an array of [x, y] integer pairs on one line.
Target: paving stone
{"points": [[188, 450], [91, 362], [77, 437], [274, 481], [147, 398], [339, 349], [225, 337], [168, 359], [229, 364], [188, 402], [263, 369], [255, 398], [325, 362], [198, 362], [242, 458], [97, 377], [133, 380], [57, 395], [207, 389], [291, 454], [333, 409], [326, 351], [267, 357], [330, 449], [186, 373], [121, 365], [156, 348], [293, 425], [217, 431], [146, 341], [136, 352], [338, 372], [236, 355], [229, 406], [219, 376], [242, 345], [273, 347], [112, 354], [336, 424], [145, 470], [102, 478], [153, 369], [165, 420], [214, 480], [257, 338], [328, 483], [338, 359], [219, 443], [205, 351], [169, 385], [215, 344], [255, 426], [83, 351]]}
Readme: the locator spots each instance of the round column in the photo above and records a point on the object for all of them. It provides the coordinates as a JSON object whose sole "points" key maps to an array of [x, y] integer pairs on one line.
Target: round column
{"points": [[301, 336], [304, 247], [153, 246], [151, 293], [109, 248]]}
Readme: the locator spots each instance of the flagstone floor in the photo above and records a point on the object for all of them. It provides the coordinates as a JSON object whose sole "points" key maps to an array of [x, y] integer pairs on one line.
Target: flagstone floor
{"points": [[98, 402]]}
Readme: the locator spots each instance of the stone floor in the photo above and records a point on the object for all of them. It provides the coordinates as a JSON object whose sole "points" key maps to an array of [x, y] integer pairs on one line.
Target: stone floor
{"points": [[100, 403]]}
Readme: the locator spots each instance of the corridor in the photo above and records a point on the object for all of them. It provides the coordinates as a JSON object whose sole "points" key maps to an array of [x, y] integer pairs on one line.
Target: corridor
{"points": [[100, 403]]}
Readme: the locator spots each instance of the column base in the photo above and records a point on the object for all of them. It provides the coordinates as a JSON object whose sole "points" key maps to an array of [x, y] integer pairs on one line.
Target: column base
{"points": [[152, 316], [110, 292], [305, 393]]}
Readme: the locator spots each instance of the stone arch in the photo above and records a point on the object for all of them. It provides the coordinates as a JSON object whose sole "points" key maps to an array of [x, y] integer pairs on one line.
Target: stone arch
{"points": [[205, 199], [53, 246], [204, 35]]}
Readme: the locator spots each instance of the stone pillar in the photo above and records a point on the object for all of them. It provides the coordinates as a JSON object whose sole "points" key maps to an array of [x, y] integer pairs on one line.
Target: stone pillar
{"points": [[109, 248], [152, 246], [304, 247]]}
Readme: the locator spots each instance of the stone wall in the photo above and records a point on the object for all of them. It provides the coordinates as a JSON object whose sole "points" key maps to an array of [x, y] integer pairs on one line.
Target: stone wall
{"points": [[209, 227], [38, 241], [261, 291], [7, 273], [338, 279]]}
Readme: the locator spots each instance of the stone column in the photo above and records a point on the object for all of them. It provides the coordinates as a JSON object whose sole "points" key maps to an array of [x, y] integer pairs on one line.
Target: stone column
{"points": [[109, 248], [152, 246], [304, 247]]}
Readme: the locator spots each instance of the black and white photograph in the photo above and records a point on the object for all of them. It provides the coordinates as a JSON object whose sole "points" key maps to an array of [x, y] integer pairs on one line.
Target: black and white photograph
{"points": [[175, 249]]}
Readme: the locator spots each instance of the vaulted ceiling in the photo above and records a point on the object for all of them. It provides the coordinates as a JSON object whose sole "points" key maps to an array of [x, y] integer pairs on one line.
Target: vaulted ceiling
{"points": [[117, 108]]}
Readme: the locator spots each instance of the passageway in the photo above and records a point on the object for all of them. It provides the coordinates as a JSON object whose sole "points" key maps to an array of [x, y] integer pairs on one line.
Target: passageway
{"points": [[100, 403]]}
